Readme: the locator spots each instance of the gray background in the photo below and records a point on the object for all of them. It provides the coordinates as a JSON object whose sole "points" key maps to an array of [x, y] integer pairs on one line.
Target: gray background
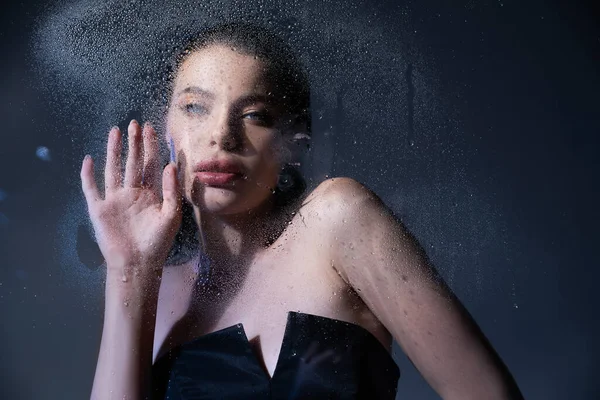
{"points": [[481, 134]]}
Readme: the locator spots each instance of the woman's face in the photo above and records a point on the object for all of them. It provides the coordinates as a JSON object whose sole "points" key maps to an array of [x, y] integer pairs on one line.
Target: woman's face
{"points": [[221, 111]]}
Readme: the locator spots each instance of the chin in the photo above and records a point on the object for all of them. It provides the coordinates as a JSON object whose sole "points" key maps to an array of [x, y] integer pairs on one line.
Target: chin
{"points": [[221, 201], [214, 199]]}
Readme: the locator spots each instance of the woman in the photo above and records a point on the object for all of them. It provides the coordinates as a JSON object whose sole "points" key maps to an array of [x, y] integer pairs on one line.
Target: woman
{"points": [[287, 295]]}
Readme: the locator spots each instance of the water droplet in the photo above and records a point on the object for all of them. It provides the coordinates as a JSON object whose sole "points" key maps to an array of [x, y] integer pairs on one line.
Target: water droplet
{"points": [[43, 153]]}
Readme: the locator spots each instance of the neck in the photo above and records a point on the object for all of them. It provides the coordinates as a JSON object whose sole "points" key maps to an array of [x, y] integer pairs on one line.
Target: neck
{"points": [[238, 238]]}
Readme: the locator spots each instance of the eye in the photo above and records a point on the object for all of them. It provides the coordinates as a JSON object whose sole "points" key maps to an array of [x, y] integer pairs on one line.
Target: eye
{"points": [[260, 117], [194, 108]]}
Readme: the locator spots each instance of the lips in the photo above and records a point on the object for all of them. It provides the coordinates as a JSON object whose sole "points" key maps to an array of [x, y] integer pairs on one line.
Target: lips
{"points": [[216, 172], [217, 178], [222, 166]]}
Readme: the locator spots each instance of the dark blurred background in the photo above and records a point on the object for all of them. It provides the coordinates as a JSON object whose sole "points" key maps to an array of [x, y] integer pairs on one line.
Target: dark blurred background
{"points": [[523, 79]]}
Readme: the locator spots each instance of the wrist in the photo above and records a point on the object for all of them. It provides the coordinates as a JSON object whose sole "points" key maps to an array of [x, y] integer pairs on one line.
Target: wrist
{"points": [[131, 274], [130, 312], [135, 285]]}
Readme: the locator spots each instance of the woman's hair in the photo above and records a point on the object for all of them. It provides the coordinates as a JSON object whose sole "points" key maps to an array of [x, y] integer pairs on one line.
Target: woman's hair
{"points": [[290, 88]]}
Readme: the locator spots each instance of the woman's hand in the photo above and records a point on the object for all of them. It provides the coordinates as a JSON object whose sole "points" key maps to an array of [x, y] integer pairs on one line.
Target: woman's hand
{"points": [[134, 225]]}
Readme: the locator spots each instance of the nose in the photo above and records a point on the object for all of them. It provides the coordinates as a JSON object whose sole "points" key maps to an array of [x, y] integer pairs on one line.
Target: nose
{"points": [[225, 134]]}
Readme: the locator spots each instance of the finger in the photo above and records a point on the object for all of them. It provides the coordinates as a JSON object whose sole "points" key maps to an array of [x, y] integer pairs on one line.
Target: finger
{"points": [[170, 187], [112, 169], [134, 167], [151, 164], [88, 183]]}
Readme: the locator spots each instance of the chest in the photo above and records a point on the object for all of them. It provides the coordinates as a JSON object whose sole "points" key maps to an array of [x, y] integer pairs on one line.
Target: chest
{"points": [[296, 274], [283, 281], [296, 282]]}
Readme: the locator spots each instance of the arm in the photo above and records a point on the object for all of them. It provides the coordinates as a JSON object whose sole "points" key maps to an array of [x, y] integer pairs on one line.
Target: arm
{"points": [[379, 258], [125, 357], [134, 224]]}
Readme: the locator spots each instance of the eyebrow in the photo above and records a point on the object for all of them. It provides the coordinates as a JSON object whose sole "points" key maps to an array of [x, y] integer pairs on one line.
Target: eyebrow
{"points": [[254, 98], [197, 90]]}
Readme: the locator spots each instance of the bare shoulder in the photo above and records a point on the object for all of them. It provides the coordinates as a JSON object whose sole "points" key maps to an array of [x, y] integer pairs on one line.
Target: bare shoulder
{"points": [[340, 186], [332, 207], [334, 203], [384, 263], [337, 196]]}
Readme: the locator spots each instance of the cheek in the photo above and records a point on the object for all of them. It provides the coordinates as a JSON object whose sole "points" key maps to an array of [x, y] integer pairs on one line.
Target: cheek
{"points": [[272, 149], [171, 126], [265, 161], [177, 122], [176, 140], [179, 131]]}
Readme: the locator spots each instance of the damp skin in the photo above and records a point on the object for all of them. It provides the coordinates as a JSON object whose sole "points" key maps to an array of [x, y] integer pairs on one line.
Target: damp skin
{"points": [[419, 197]]}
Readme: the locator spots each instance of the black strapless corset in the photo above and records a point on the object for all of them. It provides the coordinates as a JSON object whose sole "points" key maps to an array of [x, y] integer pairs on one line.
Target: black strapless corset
{"points": [[320, 358]]}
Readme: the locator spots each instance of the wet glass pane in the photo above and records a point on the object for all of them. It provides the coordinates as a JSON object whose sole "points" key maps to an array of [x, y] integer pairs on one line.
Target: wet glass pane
{"points": [[474, 123]]}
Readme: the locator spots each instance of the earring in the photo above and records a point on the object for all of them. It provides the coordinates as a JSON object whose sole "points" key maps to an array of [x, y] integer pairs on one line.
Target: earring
{"points": [[285, 180]]}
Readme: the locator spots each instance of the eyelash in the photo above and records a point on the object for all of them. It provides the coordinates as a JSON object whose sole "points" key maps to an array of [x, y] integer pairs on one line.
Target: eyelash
{"points": [[187, 108], [261, 117]]}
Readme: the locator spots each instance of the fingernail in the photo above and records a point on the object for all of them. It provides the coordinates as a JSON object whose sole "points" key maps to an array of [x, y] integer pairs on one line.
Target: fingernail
{"points": [[87, 157], [133, 121]]}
